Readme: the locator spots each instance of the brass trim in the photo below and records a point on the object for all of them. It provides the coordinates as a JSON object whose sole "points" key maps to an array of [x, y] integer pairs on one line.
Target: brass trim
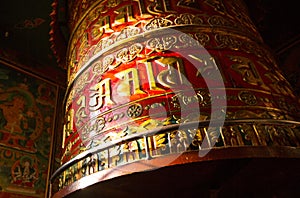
{"points": [[148, 133]]}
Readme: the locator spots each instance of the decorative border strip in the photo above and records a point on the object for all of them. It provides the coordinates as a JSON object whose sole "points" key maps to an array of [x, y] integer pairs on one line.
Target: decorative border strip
{"points": [[168, 140]]}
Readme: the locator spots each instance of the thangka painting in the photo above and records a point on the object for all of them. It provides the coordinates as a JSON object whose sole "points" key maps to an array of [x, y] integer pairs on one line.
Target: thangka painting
{"points": [[27, 111]]}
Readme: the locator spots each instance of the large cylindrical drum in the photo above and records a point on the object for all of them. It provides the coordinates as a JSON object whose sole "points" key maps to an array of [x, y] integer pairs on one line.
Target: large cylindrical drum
{"points": [[149, 79]]}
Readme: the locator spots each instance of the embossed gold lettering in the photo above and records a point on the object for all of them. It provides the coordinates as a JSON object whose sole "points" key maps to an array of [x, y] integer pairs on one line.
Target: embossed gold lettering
{"points": [[102, 26], [68, 126], [130, 83], [248, 71], [80, 113], [100, 95], [124, 14], [174, 74], [142, 8], [151, 78], [160, 6]]}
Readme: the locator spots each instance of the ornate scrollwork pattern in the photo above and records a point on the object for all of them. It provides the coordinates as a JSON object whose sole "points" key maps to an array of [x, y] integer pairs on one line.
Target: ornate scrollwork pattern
{"points": [[129, 76], [177, 141]]}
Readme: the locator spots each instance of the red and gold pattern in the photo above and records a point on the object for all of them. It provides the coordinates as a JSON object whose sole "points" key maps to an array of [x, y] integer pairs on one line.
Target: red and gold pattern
{"points": [[131, 64], [107, 22]]}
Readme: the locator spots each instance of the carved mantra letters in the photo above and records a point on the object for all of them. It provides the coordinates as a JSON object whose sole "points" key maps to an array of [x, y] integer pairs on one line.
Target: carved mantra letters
{"points": [[111, 18], [148, 78], [128, 83]]}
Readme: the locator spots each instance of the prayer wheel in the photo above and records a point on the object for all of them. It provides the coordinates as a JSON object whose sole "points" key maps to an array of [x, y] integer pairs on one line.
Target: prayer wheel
{"points": [[152, 81]]}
